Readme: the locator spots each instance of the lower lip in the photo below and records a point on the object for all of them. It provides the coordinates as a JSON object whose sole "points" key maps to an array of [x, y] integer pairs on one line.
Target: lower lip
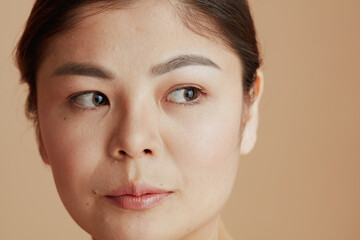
{"points": [[143, 202]]}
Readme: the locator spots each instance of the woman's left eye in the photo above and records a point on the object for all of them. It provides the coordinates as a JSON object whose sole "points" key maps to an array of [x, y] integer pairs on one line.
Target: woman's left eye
{"points": [[185, 95], [90, 99]]}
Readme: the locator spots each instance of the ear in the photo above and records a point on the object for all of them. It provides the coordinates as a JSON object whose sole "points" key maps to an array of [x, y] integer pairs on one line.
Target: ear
{"points": [[41, 146], [251, 124]]}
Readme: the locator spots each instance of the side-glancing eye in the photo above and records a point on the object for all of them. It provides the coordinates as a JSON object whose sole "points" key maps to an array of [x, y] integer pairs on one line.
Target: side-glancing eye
{"points": [[90, 99], [187, 95]]}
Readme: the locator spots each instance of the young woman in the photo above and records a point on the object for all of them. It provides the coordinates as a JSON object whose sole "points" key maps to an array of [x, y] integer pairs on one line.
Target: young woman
{"points": [[142, 110]]}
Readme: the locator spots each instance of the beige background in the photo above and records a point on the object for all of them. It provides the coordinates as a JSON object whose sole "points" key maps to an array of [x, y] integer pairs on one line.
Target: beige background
{"points": [[302, 181]]}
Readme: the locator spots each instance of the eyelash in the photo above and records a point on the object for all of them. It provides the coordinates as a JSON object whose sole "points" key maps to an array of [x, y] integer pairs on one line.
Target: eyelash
{"points": [[200, 92], [77, 106], [73, 97]]}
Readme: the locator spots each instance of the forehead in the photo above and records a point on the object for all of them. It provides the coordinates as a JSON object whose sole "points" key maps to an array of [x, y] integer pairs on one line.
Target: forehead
{"points": [[124, 35]]}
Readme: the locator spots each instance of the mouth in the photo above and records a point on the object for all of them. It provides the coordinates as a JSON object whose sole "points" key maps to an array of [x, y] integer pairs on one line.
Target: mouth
{"points": [[138, 197]]}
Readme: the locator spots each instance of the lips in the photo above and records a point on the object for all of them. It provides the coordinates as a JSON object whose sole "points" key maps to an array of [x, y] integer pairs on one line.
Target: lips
{"points": [[138, 197]]}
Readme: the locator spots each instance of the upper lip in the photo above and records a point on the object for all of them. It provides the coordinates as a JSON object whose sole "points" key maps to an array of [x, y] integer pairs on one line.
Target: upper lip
{"points": [[136, 190]]}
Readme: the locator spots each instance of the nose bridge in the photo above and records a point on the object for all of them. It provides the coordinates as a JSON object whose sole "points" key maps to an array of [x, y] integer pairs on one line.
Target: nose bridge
{"points": [[136, 131], [139, 120]]}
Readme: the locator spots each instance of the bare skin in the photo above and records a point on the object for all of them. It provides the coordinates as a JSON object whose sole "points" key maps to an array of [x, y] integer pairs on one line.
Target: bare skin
{"points": [[114, 110]]}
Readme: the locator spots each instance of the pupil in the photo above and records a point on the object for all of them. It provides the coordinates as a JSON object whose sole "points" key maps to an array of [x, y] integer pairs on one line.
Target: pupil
{"points": [[98, 99], [190, 94]]}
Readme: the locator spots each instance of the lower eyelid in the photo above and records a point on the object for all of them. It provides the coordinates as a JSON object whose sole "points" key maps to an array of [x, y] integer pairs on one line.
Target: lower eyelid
{"points": [[78, 107]]}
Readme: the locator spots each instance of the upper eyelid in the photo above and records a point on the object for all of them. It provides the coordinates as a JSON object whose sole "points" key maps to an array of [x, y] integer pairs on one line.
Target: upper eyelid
{"points": [[75, 95], [200, 90], [185, 86]]}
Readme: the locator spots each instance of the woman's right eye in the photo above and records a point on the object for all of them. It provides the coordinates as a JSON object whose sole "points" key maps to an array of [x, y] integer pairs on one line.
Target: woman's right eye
{"points": [[90, 99]]}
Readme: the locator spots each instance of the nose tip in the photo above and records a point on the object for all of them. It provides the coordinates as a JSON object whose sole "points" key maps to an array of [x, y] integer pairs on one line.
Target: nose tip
{"points": [[135, 134]]}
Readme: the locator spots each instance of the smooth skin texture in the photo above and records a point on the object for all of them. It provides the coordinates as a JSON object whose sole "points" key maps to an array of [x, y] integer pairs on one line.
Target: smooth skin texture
{"points": [[134, 124]]}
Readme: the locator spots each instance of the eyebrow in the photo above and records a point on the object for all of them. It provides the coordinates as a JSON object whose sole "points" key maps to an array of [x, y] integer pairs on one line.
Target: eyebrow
{"points": [[182, 61], [83, 69], [90, 70]]}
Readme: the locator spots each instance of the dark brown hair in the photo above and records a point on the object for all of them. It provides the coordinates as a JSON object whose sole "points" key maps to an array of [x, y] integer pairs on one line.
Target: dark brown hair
{"points": [[227, 20]]}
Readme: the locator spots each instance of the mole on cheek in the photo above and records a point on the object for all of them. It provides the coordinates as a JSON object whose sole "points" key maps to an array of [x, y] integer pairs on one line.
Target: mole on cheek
{"points": [[64, 118]]}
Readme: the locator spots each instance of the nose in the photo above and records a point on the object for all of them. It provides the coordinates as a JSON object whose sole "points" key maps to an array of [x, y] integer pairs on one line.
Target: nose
{"points": [[135, 134]]}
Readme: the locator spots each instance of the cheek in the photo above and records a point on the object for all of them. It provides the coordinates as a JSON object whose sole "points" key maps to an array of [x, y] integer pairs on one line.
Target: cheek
{"points": [[208, 151], [73, 150]]}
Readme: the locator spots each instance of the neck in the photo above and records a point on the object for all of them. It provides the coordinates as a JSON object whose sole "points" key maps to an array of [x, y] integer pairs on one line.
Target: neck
{"points": [[223, 233]]}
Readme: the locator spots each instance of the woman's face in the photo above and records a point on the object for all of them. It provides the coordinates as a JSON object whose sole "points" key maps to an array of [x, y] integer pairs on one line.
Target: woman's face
{"points": [[140, 122]]}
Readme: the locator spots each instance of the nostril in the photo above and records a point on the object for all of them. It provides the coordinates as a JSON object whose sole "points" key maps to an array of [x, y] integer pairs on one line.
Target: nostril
{"points": [[147, 151]]}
